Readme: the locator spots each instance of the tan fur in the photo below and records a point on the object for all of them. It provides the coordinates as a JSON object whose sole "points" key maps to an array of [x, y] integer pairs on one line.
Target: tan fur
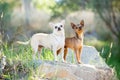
{"points": [[75, 43]]}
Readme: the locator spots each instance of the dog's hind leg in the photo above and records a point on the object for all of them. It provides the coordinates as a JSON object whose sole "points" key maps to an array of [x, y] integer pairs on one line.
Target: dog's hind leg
{"points": [[39, 50], [34, 54], [35, 50]]}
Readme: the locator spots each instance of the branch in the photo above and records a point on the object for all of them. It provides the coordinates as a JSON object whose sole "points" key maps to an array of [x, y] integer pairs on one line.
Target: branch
{"points": [[108, 24], [114, 20]]}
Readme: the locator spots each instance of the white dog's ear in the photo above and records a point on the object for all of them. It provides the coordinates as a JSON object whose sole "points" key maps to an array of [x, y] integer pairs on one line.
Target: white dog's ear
{"points": [[51, 24], [63, 22]]}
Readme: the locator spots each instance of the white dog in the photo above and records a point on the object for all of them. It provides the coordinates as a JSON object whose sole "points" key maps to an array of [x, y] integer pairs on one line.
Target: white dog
{"points": [[54, 41]]}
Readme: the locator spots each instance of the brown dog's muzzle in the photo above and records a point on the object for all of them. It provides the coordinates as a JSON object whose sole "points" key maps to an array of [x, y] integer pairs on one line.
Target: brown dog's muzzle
{"points": [[80, 28]]}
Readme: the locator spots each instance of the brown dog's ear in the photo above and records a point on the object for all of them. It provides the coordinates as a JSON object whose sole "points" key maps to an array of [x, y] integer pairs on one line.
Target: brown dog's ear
{"points": [[73, 25], [82, 22]]}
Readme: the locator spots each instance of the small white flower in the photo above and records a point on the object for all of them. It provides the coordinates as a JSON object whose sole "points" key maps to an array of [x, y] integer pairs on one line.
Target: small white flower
{"points": [[2, 61]]}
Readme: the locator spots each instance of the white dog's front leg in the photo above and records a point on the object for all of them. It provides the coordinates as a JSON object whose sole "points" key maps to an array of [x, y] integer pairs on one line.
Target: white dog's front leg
{"points": [[55, 54], [62, 52]]}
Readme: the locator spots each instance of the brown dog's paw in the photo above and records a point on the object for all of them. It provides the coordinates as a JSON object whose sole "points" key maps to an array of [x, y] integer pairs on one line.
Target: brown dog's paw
{"points": [[79, 62], [64, 61]]}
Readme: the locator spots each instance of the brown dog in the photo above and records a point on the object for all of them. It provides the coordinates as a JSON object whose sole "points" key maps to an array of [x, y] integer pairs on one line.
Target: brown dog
{"points": [[75, 43]]}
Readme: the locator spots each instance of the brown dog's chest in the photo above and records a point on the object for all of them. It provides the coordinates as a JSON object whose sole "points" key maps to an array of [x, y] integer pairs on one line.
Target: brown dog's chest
{"points": [[74, 42]]}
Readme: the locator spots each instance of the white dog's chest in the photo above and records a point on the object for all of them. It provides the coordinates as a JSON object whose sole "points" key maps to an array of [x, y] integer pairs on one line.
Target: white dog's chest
{"points": [[59, 42], [60, 45]]}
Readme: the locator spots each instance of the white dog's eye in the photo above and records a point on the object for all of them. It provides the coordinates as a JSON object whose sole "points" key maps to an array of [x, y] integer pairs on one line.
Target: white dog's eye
{"points": [[61, 26], [55, 27]]}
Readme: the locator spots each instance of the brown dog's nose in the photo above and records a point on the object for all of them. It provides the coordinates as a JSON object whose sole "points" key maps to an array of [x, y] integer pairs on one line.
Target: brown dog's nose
{"points": [[59, 29], [80, 28]]}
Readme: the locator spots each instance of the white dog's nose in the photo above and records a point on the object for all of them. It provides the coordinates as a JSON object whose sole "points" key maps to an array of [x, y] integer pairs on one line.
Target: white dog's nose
{"points": [[59, 29]]}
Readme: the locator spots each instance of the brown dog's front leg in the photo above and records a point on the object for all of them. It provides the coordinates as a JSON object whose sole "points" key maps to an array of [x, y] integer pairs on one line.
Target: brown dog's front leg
{"points": [[65, 53], [58, 51], [78, 56]]}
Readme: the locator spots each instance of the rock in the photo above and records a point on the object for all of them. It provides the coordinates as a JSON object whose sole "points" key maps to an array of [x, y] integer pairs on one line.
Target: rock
{"points": [[89, 56], [94, 67], [64, 71]]}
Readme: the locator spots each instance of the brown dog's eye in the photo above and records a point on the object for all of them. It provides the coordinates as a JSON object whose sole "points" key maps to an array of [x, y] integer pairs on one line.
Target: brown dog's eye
{"points": [[61, 26], [55, 27], [76, 27]]}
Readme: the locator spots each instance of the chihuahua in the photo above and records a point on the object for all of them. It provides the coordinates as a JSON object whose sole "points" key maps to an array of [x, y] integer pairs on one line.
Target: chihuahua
{"points": [[53, 41], [75, 43]]}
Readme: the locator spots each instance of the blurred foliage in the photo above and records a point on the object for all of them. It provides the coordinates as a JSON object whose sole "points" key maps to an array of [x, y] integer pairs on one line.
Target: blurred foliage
{"points": [[5, 14], [6, 8], [111, 54], [44, 5], [108, 11], [64, 7]]}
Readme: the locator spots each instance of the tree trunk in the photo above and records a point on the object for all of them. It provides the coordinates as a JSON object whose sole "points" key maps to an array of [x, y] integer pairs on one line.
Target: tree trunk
{"points": [[27, 9]]}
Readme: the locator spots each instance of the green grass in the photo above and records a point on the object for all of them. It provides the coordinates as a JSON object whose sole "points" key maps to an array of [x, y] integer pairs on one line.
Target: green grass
{"points": [[111, 55], [96, 43], [20, 61], [110, 52]]}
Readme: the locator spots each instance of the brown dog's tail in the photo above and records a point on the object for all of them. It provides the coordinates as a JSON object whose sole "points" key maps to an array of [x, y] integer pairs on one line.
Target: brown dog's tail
{"points": [[24, 43]]}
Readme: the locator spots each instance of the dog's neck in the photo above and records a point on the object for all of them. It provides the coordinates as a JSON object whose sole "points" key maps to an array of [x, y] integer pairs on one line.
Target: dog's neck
{"points": [[79, 36], [56, 35], [60, 34]]}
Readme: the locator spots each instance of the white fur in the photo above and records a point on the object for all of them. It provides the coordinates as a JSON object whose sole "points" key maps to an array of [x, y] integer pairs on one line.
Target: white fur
{"points": [[53, 41]]}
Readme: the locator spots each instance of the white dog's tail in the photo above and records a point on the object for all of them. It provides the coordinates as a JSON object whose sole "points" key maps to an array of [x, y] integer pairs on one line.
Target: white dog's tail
{"points": [[24, 43]]}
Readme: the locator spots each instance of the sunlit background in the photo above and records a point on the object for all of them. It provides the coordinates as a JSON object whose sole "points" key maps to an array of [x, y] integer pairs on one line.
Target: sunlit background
{"points": [[20, 19]]}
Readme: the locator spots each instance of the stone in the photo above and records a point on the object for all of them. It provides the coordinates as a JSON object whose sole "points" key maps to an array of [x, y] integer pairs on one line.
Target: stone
{"points": [[89, 56], [68, 71]]}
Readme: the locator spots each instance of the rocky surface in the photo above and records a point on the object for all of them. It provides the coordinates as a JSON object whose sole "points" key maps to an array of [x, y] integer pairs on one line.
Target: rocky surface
{"points": [[93, 67], [89, 56], [65, 71]]}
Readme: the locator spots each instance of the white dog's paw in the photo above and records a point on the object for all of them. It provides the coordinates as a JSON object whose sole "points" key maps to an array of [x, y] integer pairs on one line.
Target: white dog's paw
{"points": [[64, 61], [56, 60]]}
